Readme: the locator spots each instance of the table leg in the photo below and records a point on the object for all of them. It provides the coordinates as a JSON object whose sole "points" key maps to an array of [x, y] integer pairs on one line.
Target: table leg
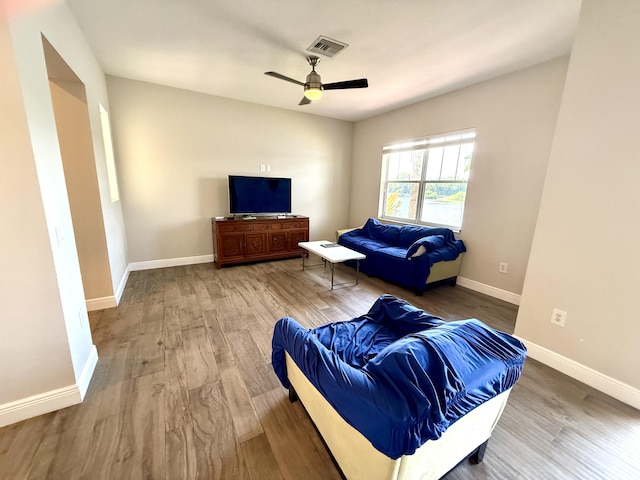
{"points": [[357, 270], [332, 267]]}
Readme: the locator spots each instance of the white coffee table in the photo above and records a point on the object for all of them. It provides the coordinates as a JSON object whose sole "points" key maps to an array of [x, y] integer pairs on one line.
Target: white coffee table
{"points": [[333, 254]]}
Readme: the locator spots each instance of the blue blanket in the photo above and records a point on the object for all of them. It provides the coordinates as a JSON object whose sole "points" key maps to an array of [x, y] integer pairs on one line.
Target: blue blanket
{"points": [[399, 375], [387, 247]]}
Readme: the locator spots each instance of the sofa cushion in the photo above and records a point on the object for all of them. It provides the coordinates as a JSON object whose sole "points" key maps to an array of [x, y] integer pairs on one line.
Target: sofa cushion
{"points": [[448, 368], [396, 252], [360, 243], [389, 319], [411, 233], [424, 245], [381, 231], [401, 315]]}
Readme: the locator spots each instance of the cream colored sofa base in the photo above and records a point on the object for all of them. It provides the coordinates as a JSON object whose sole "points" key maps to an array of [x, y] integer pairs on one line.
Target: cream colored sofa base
{"points": [[444, 270], [359, 460]]}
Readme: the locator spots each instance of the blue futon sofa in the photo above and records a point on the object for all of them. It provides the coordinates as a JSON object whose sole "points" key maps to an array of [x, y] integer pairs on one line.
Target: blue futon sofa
{"points": [[403, 254], [398, 390]]}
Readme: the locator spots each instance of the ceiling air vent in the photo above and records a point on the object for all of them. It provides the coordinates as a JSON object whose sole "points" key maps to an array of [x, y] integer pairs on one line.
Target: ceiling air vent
{"points": [[326, 46]]}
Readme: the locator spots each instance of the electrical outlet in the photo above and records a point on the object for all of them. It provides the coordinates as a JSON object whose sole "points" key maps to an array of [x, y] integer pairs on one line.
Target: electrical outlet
{"points": [[559, 317], [263, 168], [503, 267]]}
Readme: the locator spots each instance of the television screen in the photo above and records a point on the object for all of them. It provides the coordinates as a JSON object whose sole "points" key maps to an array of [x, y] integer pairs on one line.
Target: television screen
{"points": [[254, 195]]}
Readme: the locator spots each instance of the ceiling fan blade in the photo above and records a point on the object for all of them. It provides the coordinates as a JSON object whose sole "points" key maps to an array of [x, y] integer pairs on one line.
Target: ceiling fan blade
{"points": [[304, 101], [282, 77], [360, 83]]}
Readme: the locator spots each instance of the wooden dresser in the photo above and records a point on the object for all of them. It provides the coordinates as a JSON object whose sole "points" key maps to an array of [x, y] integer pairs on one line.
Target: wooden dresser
{"points": [[236, 240]]}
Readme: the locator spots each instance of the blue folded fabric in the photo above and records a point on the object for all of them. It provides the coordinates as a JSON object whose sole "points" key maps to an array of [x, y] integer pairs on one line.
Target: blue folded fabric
{"points": [[397, 374], [411, 233], [424, 245], [383, 232]]}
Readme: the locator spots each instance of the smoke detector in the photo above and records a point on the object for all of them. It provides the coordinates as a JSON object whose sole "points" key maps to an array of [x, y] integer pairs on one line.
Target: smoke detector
{"points": [[326, 46]]}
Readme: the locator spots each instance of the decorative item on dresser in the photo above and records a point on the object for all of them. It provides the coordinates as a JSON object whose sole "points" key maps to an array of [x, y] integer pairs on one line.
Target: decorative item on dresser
{"points": [[237, 240]]}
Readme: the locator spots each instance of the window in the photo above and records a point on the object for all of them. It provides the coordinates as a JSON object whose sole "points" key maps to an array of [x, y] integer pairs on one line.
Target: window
{"points": [[425, 181]]}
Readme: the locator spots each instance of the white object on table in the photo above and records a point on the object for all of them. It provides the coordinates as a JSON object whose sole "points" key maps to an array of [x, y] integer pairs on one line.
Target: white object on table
{"points": [[333, 254]]}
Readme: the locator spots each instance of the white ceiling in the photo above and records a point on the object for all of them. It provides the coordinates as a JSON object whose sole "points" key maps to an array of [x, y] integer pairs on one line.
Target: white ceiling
{"points": [[409, 50]]}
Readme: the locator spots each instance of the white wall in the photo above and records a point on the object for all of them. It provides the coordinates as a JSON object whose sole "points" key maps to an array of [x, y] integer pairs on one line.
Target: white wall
{"points": [[584, 257], [175, 149], [47, 355], [55, 22], [515, 117], [34, 353]]}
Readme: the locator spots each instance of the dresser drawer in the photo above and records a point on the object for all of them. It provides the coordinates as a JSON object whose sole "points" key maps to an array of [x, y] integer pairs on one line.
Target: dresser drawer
{"points": [[233, 227], [295, 225], [261, 227]]}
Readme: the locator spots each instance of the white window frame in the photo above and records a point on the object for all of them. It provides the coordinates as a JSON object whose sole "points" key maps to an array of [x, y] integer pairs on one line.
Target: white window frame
{"points": [[449, 139]]}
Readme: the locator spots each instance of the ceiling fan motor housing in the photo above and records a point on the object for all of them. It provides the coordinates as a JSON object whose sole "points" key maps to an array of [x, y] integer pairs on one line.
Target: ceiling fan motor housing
{"points": [[313, 82]]}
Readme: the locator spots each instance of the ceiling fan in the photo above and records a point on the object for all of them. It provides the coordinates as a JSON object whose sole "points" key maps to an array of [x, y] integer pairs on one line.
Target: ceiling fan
{"points": [[313, 87]]}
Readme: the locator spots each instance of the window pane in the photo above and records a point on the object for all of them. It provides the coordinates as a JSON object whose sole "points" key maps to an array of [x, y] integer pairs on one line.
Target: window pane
{"points": [[424, 180], [401, 200], [434, 163], [464, 163], [392, 165], [405, 165], [443, 203], [450, 162]]}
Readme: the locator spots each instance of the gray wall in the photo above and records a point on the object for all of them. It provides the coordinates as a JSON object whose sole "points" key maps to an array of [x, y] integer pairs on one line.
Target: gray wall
{"points": [[515, 117], [175, 149], [584, 258]]}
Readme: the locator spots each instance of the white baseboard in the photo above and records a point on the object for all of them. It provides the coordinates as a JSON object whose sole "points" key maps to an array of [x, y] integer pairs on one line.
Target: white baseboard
{"points": [[612, 387], [100, 303], [52, 400], [122, 284], [170, 262], [505, 295], [111, 301], [87, 372], [40, 404]]}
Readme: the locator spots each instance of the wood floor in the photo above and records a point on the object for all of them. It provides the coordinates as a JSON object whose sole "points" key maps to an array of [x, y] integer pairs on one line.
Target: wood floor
{"points": [[184, 389]]}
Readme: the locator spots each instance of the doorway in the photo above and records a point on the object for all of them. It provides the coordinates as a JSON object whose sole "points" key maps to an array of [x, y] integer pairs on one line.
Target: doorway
{"points": [[75, 139]]}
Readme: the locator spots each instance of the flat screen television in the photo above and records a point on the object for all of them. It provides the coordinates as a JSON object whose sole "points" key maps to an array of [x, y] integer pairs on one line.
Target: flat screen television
{"points": [[259, 195]]}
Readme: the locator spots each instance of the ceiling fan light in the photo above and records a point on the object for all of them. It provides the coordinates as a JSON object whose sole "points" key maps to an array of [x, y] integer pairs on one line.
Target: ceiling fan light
{"points": [[313, 92]]}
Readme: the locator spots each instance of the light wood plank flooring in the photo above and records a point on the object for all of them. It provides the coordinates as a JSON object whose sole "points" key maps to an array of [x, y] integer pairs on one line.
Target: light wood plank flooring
{"points": [[184, 389]]}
